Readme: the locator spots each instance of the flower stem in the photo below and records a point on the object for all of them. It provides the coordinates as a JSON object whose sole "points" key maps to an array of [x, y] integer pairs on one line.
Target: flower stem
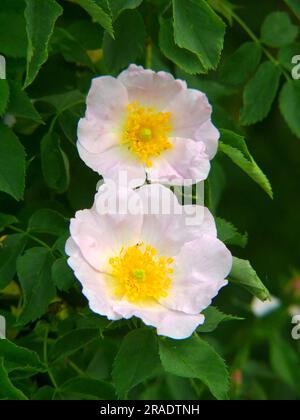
{"points": [[252, 35], [34, 238], [76, 368], [166, 9], [45, 354], [149, 51], [292, 10]]}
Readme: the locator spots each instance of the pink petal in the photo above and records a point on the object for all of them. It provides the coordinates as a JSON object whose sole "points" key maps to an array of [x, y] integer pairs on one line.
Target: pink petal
{"points": [[189, 110], [185, 164], [107, 100], [94, 137], [94, 283], [115, 164], [150, 88], [169, 323], [200, 272], [209, 135], [165, 223], [101, 236]]}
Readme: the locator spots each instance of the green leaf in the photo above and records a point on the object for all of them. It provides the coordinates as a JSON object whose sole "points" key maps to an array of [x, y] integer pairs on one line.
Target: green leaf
{"points": [[118, 6], [4, 96], [47, 221], [213, 318], [295, 6], [285, 362], [290, 104], [40, 16], [278, 30], [64, 101], [194, 358], [73, 341], [183, 58], [12, 34], [68, 121], [89, 387], [86, 33], [7, 220], [136, 360], [20, 104], [97, 14], [12, 163], [244, 275], [62, 275], [179, 388], [7, 389], [235, 147], [229, 234], [16, 357], [60, 243], [128, 44], [66, 44], [212, 88], [10, 250], [16, 6], [242, 64], [260, 93], [34, 272], [45, 393], [55, 163], [224, 8], [198, 29]]}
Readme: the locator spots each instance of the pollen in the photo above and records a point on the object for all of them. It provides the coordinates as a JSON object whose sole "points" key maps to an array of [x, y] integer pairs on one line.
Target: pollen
{"points": [[146, 132], [140, 274]]}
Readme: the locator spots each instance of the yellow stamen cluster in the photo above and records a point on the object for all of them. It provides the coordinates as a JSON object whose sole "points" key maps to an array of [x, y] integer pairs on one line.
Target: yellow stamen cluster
{"points": [[141, 274], [146, 132]]}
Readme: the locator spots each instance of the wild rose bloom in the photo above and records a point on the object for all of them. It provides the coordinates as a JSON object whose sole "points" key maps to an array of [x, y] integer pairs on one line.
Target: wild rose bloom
{"points": [[144, 122], [147, 265]]}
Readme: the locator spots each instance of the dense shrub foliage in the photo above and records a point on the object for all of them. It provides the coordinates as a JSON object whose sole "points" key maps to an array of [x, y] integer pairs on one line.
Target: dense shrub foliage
{"points": [[242, 55]]}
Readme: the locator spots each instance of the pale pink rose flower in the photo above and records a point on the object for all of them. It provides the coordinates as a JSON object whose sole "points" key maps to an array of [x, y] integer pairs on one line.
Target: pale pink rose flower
{"points": [[151, 266], [147, 123]]}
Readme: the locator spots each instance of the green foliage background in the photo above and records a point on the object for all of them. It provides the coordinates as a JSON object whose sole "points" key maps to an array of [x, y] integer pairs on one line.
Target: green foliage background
{"points": [[240, 54]]}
